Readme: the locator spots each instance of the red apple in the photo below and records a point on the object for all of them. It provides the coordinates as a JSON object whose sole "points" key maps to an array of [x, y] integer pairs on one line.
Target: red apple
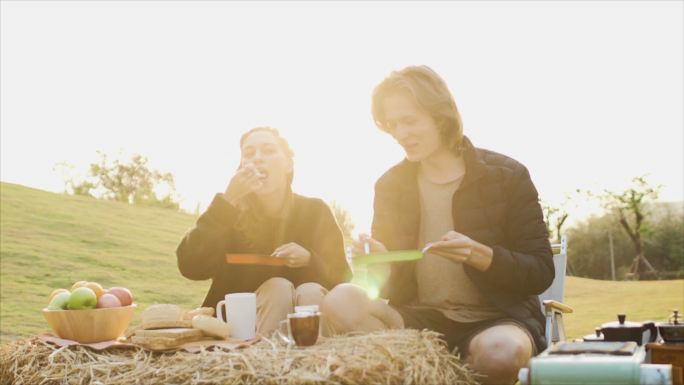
{"points": [[123, 294], [108, 300]]}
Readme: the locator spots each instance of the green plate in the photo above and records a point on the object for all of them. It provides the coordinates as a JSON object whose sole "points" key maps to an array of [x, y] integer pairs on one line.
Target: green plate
{"points": [[390, 256]]}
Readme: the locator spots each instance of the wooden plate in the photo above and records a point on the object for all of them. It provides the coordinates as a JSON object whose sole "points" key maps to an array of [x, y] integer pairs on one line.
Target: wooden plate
{"points": [[254, 259]]}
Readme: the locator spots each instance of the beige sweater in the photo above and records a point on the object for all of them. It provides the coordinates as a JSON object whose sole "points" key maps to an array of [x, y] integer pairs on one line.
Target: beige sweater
{"points": [[442, 283]]}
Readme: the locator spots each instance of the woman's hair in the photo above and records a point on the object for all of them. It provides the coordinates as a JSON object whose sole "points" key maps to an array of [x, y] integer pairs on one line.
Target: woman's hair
{"points": [[252, 222], [431, 93]]}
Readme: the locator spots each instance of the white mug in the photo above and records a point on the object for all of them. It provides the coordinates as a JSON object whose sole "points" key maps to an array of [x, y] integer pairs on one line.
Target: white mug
{"points": [[240, 314]]}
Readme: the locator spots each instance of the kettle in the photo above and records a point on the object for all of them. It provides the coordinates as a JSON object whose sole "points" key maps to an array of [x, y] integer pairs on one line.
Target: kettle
{"points": [[622, 330]]}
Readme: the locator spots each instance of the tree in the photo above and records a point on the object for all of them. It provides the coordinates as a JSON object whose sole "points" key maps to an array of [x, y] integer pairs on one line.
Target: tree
{"points": [[343, 220], [589, 249], [133, 182], [629, 207], [555, 218]]}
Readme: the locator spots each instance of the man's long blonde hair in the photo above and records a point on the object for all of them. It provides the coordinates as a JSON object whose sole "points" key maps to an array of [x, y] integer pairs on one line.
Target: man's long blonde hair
{"points": [[431, 93]]}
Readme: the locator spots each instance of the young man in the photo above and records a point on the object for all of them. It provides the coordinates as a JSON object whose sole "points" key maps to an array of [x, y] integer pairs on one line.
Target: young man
{"points": [[477, 210]]}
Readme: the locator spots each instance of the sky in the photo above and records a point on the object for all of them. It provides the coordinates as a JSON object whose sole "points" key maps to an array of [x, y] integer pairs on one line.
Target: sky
{"points": [[585, 94]]}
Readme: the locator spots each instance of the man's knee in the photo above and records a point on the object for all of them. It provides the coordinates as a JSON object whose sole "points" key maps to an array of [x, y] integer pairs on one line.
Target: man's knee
{"points": [[310, 293], [499, 353]]}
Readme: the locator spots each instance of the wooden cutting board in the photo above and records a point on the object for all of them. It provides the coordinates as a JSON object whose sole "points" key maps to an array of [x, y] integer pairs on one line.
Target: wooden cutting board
{"points": [[164, 339], [178, 333]]}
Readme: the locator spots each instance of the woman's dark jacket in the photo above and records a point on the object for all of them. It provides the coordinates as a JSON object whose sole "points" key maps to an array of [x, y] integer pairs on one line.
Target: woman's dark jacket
{"points": [[201, 253], [496, 205]]}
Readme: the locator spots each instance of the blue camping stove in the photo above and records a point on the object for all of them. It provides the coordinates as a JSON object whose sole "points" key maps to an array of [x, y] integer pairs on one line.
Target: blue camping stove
{"points": [[600, 363]]}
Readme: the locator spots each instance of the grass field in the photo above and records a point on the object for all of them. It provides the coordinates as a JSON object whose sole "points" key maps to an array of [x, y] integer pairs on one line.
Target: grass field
{"points": [[52, 240]]}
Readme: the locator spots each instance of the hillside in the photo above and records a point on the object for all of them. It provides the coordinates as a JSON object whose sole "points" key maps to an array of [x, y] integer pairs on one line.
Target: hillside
{"points": [[50, 240]]}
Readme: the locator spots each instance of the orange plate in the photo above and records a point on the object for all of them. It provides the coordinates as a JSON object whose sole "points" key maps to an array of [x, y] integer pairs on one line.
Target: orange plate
{"points": [[254, 259]]}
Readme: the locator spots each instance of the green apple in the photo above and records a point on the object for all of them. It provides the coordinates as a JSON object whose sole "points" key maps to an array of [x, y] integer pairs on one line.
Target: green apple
{"points": [[82, 298], [59, 301]]}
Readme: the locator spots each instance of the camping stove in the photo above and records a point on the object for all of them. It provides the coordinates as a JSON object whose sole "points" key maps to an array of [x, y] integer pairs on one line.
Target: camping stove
{"points": [[602, 363]]}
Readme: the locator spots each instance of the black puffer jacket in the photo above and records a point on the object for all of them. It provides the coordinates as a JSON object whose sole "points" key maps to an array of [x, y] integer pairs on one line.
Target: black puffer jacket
{"points": [[496, 205]]}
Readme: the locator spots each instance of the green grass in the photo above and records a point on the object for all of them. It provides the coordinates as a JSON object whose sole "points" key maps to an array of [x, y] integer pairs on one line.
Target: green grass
{"points": [[52, 240], [595, 302]]}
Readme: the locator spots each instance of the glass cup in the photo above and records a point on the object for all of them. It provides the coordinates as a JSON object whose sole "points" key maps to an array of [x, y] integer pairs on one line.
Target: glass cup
{"points": [[302, 327]]}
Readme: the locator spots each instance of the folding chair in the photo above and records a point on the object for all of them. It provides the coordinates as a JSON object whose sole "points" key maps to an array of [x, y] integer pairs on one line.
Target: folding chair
{"points": [[552, 299]]}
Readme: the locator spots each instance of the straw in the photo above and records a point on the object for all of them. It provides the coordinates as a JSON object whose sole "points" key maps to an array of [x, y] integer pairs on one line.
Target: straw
{"points": [[388, 357]]}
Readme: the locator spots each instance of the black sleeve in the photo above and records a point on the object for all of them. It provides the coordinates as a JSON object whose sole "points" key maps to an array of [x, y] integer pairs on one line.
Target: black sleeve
{"points": [[201, 251], [525, 266], [327, 250]]}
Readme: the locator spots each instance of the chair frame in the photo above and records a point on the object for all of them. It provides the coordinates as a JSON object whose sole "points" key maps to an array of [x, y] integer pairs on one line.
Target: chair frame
{"points": [[553, 307]]}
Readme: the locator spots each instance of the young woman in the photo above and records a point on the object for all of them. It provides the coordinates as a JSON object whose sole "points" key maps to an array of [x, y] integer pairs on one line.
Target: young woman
{"points": [[477, 212], [259, 214]]}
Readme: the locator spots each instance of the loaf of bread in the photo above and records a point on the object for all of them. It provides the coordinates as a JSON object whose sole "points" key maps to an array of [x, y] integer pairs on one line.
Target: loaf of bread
{"points": [[188, 315], [211, 326], [161, 315]]}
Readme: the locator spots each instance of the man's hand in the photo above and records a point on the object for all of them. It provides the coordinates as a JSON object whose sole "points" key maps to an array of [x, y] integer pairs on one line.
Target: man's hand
{"points": [[367, 245], [296, 255], [460, 248]]}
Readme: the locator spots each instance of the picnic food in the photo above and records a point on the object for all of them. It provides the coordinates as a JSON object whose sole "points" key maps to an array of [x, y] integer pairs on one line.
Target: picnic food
{"points": [[78, 284], [166, 327], [82, 298], [124, 295], [57, 291], [211, 326], [59, 301], [96, 287], [108, 300], [161, 313], [188, 315], [159, 316]]}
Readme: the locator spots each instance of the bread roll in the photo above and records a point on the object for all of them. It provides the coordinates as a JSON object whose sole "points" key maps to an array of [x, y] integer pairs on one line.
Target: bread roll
{"points": [[211, 326], [188, 315]]}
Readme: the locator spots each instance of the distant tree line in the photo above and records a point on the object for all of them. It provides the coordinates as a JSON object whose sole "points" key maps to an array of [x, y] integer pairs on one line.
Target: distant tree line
{"points": [[131, 182], [589, 248], [647, 236]]}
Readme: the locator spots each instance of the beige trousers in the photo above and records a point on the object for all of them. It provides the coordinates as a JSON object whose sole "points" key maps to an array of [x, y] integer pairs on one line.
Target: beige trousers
{"points": [[277, 297]]}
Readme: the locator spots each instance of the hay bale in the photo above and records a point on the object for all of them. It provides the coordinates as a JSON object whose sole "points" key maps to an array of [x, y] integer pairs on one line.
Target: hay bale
{"points": [[388, 357]]}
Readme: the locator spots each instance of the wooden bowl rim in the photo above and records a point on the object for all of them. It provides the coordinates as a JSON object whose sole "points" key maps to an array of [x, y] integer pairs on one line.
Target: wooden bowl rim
{"points": [[131, 306]]}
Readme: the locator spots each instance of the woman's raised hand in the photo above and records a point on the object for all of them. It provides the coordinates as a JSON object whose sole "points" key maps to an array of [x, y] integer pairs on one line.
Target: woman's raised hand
{"points": [[245, 180], [294, 254]]}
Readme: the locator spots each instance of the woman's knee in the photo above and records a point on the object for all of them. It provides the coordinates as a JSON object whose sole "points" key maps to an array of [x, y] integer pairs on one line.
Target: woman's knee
{"points": [[310, 293], [276, 290]]}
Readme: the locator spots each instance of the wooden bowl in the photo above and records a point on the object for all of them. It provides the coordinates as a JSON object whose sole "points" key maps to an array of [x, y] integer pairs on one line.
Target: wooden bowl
{"points": [[90, 325]]}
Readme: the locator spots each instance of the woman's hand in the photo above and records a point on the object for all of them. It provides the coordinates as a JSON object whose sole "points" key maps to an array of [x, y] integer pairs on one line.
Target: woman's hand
{"points": [[245, 180], [367, 245], [296, 255], [460, 248]]}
